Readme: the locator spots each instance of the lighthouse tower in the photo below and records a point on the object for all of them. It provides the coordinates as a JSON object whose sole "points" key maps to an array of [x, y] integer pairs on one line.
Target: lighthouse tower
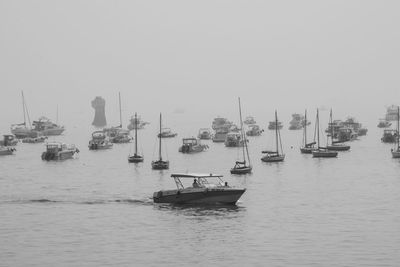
{"points": [[99, 105]]}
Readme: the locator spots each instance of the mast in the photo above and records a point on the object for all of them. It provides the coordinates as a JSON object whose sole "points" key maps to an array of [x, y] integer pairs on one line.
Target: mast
{"points": [[276, 133], [305, 128], [159, 144], [398, 127], [331, 123], [135, 134], [120, 111], [57, 115], [243, 136], [23, 107], [317, 127]]}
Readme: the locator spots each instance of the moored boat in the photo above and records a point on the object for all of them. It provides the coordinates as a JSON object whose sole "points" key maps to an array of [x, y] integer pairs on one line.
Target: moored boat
{"points": [[322, 152], [167, 133], [192, 145], [396, 149], [99, 141], [203, 191], [254, 130], [135, 158], [5, 151], [204, 134], [307, 148], [59, 151], [277, 155], [9, 140], [389, 136], [46, 127], [335, 145], [160, 164], [249, 120], [233, 139]]}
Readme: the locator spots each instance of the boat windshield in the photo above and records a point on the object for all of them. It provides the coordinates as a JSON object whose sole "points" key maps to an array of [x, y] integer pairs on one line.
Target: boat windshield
{"points": [[207, 181]]}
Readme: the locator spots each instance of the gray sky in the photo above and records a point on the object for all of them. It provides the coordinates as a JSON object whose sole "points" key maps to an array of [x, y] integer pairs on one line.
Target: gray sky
{"points": [[199, 55]]}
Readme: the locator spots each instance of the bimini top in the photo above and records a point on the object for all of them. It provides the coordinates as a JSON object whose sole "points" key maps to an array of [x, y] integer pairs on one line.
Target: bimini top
{"points": [[194, 175]]}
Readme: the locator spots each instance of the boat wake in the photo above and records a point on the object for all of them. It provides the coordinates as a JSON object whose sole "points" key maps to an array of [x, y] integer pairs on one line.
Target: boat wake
{"points": [[84, 202]]}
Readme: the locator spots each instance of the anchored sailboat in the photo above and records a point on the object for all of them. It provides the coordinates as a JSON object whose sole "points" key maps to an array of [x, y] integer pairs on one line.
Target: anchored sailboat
{"points": [[136, 158], [22, 130], [335, 145], [117, 134], [396, 150], [241, 167], [307, 148], [322, 152], [277, 155], [160, 164]]}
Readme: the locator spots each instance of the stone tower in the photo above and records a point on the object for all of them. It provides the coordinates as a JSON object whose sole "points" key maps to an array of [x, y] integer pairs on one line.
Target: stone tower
{"points": [[99, 105]]}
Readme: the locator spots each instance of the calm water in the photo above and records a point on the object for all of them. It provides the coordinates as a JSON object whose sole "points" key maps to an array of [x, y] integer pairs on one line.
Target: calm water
{"points": [[96, 210]]}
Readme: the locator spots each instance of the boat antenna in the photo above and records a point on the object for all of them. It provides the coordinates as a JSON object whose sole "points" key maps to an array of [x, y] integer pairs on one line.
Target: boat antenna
{"points": [[120, 111], [243, 136]]}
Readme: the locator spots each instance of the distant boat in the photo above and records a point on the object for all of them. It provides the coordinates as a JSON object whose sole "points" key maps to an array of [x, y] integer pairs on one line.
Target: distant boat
{"points": [[297, 122], [277, 155], [389, 136], [204, 134], [391, 113], [192, 145], [322, 152], [203, 191], [273, 125], [396, 150], [241, 167], [116, 134], [219, 136], [384, 123], [135, 158], [249, 120], [335, 145], [307, 148], [34, 140], [9, 140], [220, 123], [160, 164], [59, 151], [99, 141], [137, 122], [5, 151], [254, 130], [166, 133], [234, 139], [23, 130], [46, 127]]}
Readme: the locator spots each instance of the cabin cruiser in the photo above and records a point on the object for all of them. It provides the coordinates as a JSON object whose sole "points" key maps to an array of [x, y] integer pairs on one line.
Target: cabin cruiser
{"points": [[9, 140], [384, 123], [192, 145], [5, 151], [21, 131], [272, 125], [35, 140], [221, 123], [118, 135], [233, 139], [99, 141], [249, 120], [137, 123], [46, 127], [205, 189], [205, 134], [391, 113], [59, 151], [351, 123], [389, 136], [219, 136], [167, 133], [254, 130]]}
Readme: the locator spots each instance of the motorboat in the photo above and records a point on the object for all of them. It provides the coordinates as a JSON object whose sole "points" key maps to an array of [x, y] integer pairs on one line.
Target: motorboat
{"points": [[277, 155], [46, 127], [297, 122], [99, 141], [221, 123], [307, 148], [34, 140], [243, 166], [391, 113], [384, 123], [249, 120], [205, 189], [137, 123], [352, 123], [160, 164], [234, 139], [166, 133], [5, 151], [118, 135], [135, 158], [322, 152], [9, 140], [273, 125], [205, 134], [59, 151], [192, 145], [254, 130], [389, 136], [219, 136]]}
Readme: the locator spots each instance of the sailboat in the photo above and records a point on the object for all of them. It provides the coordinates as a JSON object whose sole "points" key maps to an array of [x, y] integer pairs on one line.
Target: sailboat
{"points": [[307, 148], [160, 164], [117, 134], [21, 130], [275, 156], [322, 152], [241, 167], [135, 158], [396, 150], [335, 145]]}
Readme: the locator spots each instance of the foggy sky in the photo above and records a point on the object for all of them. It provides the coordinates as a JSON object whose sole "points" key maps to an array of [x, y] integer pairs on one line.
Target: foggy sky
{"points": [[198, 56]]}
